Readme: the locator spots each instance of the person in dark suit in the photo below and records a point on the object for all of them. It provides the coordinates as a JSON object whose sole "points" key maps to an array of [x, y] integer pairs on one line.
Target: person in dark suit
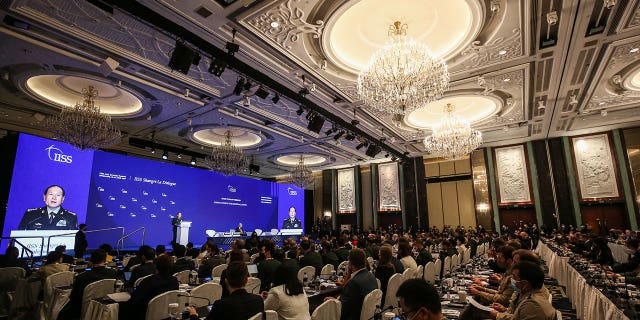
{"points": [[385, 268], [81, 244], [292, 222], [147, 266], [98, 272], [357, 286], [424, 256], [182, 263], [239, 305], [65, 257], [52, 216], [161, 282], [10, 259], [175, 222], [310, 257], [240, 230], [267, 267]]}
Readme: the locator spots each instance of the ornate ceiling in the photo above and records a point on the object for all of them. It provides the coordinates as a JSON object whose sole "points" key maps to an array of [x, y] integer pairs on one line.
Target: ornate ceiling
{"points": [[520, 70]]}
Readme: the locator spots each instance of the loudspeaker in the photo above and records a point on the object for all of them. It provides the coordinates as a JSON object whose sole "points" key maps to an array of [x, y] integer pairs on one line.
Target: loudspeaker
{"points": [[107, 66], [315, 124], [373, 150], [181, 58]]}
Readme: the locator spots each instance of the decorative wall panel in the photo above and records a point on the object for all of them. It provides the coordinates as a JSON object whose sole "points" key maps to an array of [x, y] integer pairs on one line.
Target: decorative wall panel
{"points": [[511, 171], [388, 187], [595, 168], [346, 191]]}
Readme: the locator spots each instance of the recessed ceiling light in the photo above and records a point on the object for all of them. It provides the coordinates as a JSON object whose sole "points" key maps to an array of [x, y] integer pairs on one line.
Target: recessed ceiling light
{"points": [[507, 79], [634, 50], [275, 24], [601, 103], [502, 52]]}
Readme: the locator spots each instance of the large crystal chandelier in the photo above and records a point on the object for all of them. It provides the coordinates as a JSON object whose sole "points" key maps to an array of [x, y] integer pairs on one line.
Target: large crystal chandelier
{"points": [[83, 126], [402, 75], [453, 138], [301, 175], [227, 158]]}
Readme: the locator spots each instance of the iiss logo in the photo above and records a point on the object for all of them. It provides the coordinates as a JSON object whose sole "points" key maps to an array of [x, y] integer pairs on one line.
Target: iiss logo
{"points": [[57, 155], [231, 188], [292, 192]]}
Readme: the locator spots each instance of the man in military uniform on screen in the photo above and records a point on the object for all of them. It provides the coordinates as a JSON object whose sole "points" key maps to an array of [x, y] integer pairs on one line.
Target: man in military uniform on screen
{"points": [[52, 216], [292, 222]]}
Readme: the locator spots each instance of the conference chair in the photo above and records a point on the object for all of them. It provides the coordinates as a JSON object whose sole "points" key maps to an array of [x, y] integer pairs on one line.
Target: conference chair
{"points": [[342, 268], [447, 266], [455, 261], [60, 279], [266, 315], [253, 285], [328, 310], [274, 232], [133, 267], [210, 290], [258, 231], [467, 255], [392, 287], [326, 271], [430, 272], [157, 307], [438, 267], [182, 276], [139, 280], [369, 304], [210, 233], [217, 270], [420, 272], [409, 273], [94, 290], [309, 270]]}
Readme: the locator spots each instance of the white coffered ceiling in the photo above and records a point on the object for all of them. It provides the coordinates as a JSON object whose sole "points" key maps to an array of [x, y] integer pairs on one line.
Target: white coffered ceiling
{"points": [[516, 76]]}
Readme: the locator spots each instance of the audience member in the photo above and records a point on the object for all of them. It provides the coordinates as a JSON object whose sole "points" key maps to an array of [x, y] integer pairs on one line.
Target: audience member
{"points": [[385, 268], [146, 268], [287, 296], [182, 262], [419, 300], [359, 284], [10, 259], [267, 267], [533, 300], [54, 265], [65, 257], [309, 257]]}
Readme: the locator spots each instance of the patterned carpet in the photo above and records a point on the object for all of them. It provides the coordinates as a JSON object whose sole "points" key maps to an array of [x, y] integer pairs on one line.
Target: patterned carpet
{"points": [[559, 299]]}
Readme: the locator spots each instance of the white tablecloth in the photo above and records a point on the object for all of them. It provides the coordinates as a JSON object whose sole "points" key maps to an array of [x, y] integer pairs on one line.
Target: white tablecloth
{"points": [[589, 302], [618, 252]]}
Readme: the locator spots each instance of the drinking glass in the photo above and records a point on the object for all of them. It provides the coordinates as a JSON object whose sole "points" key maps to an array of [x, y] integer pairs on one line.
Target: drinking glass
{"points": [[174, 310]]}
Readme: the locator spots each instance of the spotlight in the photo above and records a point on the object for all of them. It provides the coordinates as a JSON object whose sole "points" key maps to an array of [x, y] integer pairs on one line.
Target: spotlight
{"points": [[338, 135], [303, 92], [330, 131], [373, 150], [179, 155], [232, 47], [217, 67], [386, 155], [350, 136], [262, 92], [359, 146], [406, 153], [254, 168], [237, 90], [246, 101], [153, 150], [165, 155], [300, 111], [182, 57], [315, 122], [247, 85], [394, 158], [193, 161], [196, 59], [355, 122], [275, 98]]}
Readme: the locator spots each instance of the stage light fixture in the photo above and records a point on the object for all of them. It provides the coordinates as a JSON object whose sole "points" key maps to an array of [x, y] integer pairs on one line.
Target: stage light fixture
{"points": [[275, 98], [394, 158], [217, 67], [193, 161], [247, 85], [300, 111], [303, 92], [373, 150], [182, 57], [329, 132], [165, 155], [153, 150], [315, 122], [231, 46], [386, 155], [237, 90], [359, 146], [350, 136], [179, 155], [262, 93], [196, 59], [338, 135]]}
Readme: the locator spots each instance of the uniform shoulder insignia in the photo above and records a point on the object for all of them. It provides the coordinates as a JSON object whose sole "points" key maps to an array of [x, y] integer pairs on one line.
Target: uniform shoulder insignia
{"points": [[34, 209], [69, 212]]}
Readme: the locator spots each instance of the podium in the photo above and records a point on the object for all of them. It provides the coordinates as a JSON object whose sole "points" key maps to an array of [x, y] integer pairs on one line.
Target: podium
{"points": [[183, 233]]}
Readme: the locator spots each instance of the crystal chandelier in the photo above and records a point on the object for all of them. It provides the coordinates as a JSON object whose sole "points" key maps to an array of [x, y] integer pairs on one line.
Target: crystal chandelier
{"points": [[83, 126], [453, 138], [402, 75], [301, 175], [227, 158]]}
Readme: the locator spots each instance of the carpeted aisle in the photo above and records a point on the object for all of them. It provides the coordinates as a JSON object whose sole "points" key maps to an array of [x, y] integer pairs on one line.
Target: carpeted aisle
{"points": [[559, 299]]}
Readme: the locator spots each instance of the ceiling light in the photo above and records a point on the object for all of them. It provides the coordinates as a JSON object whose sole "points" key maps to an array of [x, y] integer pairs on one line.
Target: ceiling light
{"points": [[232, 47], [573, 99], [495, 5], [604, 112], [193, 161], [301, 175], [275, 24], [502, 52], [227, 158], [634, 50], [179, 155], [506, 79], [609, 4], [153, 150], [275, 98], [541, 105], [237, 90], [165, 155], [453, 138], [552, 18], [402, 75]]}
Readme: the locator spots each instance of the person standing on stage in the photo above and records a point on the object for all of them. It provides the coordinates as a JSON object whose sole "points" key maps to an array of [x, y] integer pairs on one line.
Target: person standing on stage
{"points": [[292, 222], [175, 222], [240, 230], [81, 244], [52, 216]]}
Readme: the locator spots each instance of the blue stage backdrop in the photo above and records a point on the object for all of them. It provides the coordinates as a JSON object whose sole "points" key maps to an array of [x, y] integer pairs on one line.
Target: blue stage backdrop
{"points": [[111, 190]]}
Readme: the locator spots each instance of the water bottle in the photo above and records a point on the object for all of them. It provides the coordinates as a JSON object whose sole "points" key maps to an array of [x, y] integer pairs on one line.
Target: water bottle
{"points": [[305, 279]]}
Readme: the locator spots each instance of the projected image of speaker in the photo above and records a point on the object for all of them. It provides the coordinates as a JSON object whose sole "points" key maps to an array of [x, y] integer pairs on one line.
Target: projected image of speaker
{"points": [[315, 123], [182, 58], [373, 150]]}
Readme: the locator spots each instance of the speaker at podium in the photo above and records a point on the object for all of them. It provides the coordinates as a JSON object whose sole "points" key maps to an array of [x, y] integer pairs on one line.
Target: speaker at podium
{"points": [[183, 233]]}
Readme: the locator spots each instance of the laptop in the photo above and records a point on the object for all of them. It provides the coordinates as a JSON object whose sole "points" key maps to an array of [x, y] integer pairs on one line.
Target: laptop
{"points": [[253, 269]]}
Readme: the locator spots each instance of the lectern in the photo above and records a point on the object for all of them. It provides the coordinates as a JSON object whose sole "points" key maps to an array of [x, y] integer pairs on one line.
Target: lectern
{"points": [[183, 232]]}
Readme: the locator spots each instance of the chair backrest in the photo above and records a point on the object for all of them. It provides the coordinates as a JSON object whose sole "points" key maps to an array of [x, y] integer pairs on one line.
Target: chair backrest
{"points": [[379, 284], [326, 271], [182, 276], [447, 265], [309, 270], [420, 272], [429, 272], [157, 307], [438, 266], [139, 280], [369, 304], [328, 310], [258, 231], [257, 316], [97, 289], [455, 261], [210, 233], [271, 315], [9, 277], [274, 232], [133, 267], [210, 290], [550, 298], [409, 273], [342, 268], [217, 270], [59, 279], [467, 255], [392, 287], [253, 285]]}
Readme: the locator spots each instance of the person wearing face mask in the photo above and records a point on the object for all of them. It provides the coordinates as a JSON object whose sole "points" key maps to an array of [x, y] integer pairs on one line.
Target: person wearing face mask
{"points": [[419, 300], [488, 296], [531, 299], [631, 248]]}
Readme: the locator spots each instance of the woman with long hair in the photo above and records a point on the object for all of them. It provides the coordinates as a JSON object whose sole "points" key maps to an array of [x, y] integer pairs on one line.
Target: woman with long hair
{"points": [[287, 297]]}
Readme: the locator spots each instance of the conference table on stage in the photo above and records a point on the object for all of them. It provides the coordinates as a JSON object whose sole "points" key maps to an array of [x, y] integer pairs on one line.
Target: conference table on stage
{"points": [[590, 303]]}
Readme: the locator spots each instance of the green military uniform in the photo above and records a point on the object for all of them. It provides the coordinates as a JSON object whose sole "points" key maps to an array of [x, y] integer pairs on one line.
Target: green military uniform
{"points": [[529, 306]]}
